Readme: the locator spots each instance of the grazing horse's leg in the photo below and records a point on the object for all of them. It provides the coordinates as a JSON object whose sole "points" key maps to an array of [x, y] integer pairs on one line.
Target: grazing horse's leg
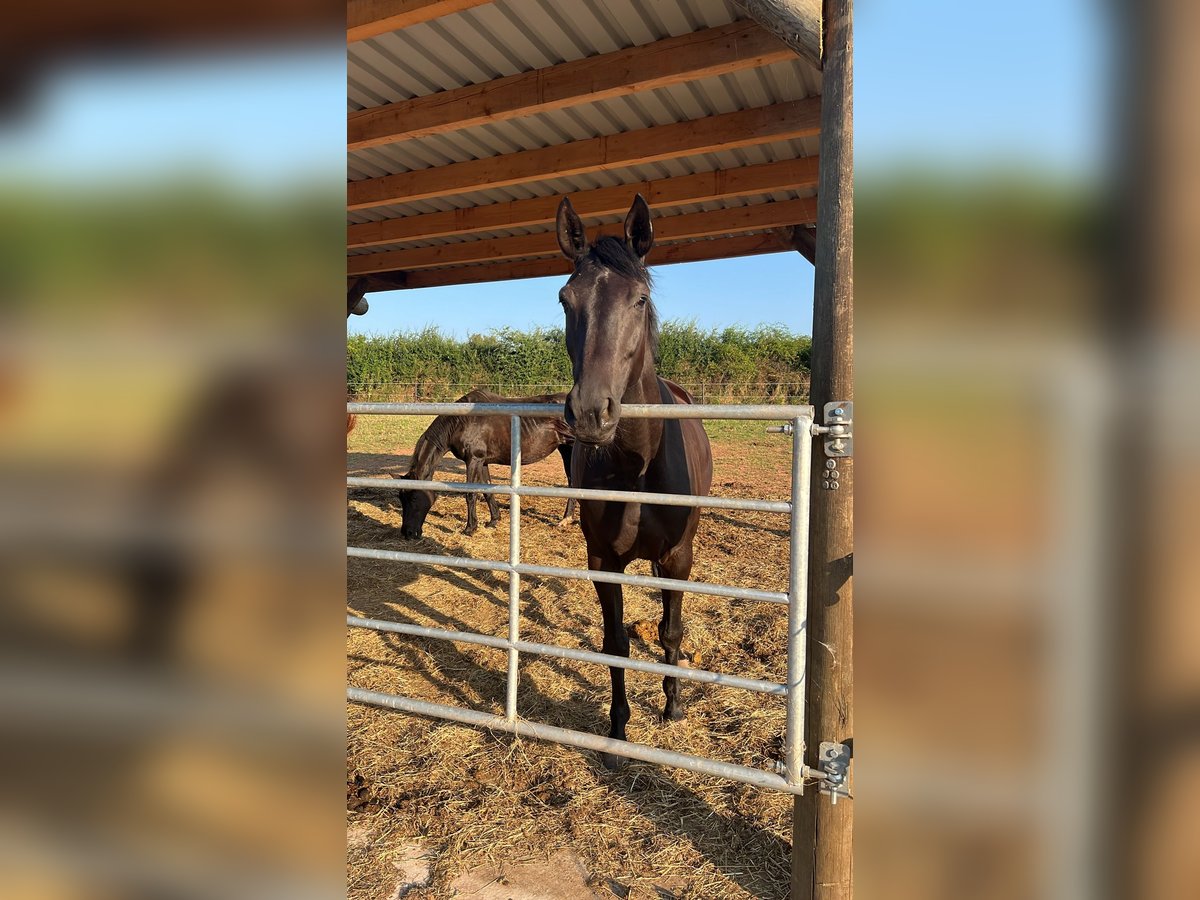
{"points": [[493, 504], [564, 450], [475, 475], [616, 642], [670, 629]]}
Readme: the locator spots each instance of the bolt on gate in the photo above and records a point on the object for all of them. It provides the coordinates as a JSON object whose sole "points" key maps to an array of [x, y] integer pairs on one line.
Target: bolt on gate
{"points": [[791, 773]]}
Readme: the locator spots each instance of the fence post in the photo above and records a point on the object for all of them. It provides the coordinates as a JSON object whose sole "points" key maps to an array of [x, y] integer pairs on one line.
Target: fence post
{"points": [[822, 860], [514, 578], [797, 651]]}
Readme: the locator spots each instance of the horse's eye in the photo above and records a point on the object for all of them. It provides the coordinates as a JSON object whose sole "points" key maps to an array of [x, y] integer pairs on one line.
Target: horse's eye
{"points": [[642, 301]]}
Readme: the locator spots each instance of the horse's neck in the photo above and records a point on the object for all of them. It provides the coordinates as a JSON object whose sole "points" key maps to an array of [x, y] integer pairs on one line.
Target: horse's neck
{"points": [[426, 455], [644, 388], [641, 437]]}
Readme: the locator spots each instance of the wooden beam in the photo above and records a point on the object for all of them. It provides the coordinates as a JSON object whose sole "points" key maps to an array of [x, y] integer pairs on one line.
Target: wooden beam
{"points": [[701, 54], [786, 175], [803, 239], [545, 243], [782, 121], [376, 281], [368, 18], [689, 251], [796, 22], [356, 301], [822, 833]]}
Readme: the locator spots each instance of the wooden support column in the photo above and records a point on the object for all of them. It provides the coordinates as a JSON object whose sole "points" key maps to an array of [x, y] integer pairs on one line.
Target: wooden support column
{"points": [[821, 831]]}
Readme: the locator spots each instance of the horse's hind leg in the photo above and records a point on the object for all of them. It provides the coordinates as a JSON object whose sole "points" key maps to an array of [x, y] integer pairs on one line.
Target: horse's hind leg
{"points": [[616, 642], [670, 630]]}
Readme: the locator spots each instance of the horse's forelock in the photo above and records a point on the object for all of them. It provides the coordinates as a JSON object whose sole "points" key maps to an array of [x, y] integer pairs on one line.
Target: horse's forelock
{"points": [[613, 253]]}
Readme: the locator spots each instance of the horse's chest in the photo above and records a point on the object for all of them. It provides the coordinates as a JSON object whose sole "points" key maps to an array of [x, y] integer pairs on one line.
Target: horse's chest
{"points": [[634, 530]]}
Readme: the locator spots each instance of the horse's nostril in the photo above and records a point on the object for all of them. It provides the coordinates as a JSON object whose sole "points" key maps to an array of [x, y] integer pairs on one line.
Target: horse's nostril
{"points": [[607, 414]]}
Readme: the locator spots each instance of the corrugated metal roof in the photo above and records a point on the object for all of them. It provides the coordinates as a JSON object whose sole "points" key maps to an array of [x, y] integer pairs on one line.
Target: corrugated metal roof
{"points": [[508, 37]]}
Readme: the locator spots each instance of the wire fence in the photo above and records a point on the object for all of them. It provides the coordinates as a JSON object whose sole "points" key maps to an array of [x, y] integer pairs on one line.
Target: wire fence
{"points": [[783, 392]]}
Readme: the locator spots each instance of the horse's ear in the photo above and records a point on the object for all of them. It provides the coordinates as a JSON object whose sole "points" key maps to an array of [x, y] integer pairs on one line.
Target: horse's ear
{"points": [[639, 232], [572, 237]]}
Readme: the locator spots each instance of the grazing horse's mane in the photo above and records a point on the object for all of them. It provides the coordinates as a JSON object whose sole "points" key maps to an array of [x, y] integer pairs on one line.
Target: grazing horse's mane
{"points": [[441, 431], [616, 254], [435, 441]]}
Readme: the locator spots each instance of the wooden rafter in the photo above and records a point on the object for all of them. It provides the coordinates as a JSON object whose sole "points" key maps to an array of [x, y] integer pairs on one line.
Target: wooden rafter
{"points": [[700, 54], [688, 251], [781, 121], [786, 175], [368, 18], [666, 228]]}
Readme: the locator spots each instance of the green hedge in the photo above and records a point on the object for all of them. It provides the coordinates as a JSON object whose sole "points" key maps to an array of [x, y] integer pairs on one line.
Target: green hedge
{"points": [[768, 362]]}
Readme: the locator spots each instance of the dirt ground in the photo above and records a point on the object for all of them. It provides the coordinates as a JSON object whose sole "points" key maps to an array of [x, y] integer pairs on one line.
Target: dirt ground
{"points": [[471, 804]]}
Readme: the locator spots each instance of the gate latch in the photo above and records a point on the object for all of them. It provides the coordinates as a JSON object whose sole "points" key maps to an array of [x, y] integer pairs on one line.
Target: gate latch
{"points": [[838, 428], [835, 763]]}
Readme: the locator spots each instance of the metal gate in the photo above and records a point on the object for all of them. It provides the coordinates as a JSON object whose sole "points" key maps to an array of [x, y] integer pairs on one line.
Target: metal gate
{"points": [[791, 773]]}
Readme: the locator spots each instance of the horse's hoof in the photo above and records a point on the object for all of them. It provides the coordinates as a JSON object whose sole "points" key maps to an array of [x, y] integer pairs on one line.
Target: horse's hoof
{"points": [[491, 524], [612, 762], [563, 523], [674, 714], [467, 532]]}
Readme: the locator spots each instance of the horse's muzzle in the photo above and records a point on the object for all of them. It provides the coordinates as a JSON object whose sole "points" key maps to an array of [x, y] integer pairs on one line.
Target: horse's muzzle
{"points": [[600, 437], [594, 421]]}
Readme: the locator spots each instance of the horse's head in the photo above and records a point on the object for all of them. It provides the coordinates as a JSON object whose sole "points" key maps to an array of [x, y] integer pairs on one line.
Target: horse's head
{"points": [[611, 327], [414, 507]]}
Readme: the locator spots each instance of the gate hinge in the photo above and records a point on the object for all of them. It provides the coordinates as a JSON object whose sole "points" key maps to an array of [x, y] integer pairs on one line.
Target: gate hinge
{"points": [[835, 763], [838, 428]]}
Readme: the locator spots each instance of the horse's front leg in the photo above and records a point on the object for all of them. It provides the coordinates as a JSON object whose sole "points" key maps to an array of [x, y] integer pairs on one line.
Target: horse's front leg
{"points": [[475, 476], [670, 629], [616, 643], [493, 504], [569, 513]]}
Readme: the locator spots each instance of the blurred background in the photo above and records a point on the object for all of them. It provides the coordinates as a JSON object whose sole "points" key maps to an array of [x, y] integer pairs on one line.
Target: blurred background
{"points": [[1026, 216], [171, 367], [171, 383]]}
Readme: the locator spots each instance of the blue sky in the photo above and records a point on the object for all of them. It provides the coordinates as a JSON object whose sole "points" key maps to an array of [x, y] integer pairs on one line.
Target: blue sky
{"points": [[960, 86]]}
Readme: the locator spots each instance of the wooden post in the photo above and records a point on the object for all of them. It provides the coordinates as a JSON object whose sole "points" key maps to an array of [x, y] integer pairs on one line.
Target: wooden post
{"points": [[821, 832]]}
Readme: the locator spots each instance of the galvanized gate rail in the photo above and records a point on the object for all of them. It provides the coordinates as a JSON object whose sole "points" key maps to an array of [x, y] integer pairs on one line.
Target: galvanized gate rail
{"points": [[792, 772]]}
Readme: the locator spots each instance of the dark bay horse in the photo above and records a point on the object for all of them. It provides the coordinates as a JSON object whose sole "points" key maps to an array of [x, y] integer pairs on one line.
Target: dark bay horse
{"points": [[612, 336], [480, 441]]}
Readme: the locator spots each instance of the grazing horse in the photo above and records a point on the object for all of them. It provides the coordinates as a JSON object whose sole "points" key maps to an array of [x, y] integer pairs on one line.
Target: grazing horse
{"points": [[612, 336], [479, 441]]}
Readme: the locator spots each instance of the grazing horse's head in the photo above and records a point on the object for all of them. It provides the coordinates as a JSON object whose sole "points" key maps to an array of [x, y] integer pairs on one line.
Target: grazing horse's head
{"points": [[414, 507], [611, 326]]}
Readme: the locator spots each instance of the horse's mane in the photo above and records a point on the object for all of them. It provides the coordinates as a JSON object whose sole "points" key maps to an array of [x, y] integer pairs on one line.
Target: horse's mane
{"points": [[433, 444], [616, 254], [439, 432]]}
